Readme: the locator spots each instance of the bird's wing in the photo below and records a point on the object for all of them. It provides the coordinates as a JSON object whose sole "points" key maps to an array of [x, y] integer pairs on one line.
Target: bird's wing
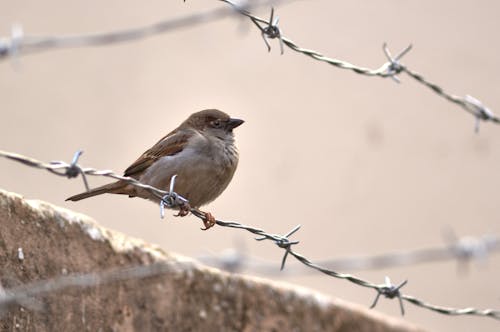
{"points": [[169, 145]]}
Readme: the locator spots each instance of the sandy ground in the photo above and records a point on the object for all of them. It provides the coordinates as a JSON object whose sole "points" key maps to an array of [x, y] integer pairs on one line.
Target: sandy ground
{"points": [[365, 165]]}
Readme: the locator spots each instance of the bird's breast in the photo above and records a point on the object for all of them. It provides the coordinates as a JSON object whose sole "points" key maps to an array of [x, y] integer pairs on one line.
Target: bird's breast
{"points": [[203, 172]]}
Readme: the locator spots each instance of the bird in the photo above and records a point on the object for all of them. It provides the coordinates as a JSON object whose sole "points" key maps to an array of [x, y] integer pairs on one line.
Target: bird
{"points": [[200, 152]]}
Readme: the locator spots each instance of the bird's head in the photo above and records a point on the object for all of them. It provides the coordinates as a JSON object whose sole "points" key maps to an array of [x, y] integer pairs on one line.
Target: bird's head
{"points": [[213, 122]]}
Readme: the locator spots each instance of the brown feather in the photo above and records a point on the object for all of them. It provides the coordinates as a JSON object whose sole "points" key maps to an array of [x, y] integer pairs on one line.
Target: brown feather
{"points": [[118, 187], [169, 145], [203, 173]]}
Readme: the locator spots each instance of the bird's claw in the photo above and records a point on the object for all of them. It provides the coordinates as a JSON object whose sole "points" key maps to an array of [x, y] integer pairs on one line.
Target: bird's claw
{"points": [[183, 210], [208, 221]]}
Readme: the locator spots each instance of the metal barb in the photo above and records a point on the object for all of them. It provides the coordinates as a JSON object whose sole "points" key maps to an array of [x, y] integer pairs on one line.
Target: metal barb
{"points": [[390, 291], [172, 184], [17, 44], [242, 7], [74, 161], [4, 47], [480, 111], [393, 66], [11, 46], [293, 230], [74, 169], [469, 248], [70, 171], [283, 242], [387, 289], [171, 199], [271, 30]]}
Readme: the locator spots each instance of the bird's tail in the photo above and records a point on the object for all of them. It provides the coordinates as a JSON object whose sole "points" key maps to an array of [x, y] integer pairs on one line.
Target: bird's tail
{"points": [[118, 187]]}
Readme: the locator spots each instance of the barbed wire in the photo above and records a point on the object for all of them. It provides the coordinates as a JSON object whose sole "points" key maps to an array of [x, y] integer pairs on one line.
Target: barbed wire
{"points": [[24, 294], [391, 68], [19, 44], [463, 250], [171, 199], [72, 170]]}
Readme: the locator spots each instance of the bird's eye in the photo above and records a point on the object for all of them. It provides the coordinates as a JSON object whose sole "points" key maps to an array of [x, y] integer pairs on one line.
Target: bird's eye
{"points": [[216, 123]]}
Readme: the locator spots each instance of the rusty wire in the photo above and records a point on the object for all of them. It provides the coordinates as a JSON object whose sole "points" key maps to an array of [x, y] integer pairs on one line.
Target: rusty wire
{"points": [[173, 200]]}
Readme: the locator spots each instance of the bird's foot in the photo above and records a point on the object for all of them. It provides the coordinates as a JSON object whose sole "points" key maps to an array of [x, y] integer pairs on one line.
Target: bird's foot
{"points": [[208, 220], [184, 210]]}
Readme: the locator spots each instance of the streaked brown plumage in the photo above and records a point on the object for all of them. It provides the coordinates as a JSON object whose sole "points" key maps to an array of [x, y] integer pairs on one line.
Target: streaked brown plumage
{"points": [[200, 151]]}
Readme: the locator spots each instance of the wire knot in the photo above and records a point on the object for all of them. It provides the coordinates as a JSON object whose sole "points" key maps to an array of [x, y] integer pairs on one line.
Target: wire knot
{"points": [[11, 46], [271, 30], [393, 65], [4, 47], [480, 111], [390, 291], [171, 199], [71, 170], [283, 242]]}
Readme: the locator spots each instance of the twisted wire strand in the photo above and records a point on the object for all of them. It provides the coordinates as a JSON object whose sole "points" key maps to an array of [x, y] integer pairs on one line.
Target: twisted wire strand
{"points": [[60, 168], [387, 289], [391, 69], [469, 104], [462, 249], [18, 44], [22, 295]]}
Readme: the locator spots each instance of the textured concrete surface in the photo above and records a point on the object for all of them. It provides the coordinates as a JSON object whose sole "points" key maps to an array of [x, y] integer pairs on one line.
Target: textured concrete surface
{"points": [[187, 297]]}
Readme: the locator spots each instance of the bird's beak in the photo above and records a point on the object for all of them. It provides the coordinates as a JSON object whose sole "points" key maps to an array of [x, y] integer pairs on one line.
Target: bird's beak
{"points": [[233, 123]]}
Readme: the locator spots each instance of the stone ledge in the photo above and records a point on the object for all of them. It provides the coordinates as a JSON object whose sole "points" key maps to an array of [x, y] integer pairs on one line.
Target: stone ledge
{"points": [[188, 297]]}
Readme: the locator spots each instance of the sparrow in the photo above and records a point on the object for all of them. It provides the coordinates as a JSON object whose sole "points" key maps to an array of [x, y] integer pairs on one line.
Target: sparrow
{"points": [[201, 152]]}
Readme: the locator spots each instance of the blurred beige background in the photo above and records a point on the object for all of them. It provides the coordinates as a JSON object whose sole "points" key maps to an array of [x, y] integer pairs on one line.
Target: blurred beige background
{"points": [[365, 165]]}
